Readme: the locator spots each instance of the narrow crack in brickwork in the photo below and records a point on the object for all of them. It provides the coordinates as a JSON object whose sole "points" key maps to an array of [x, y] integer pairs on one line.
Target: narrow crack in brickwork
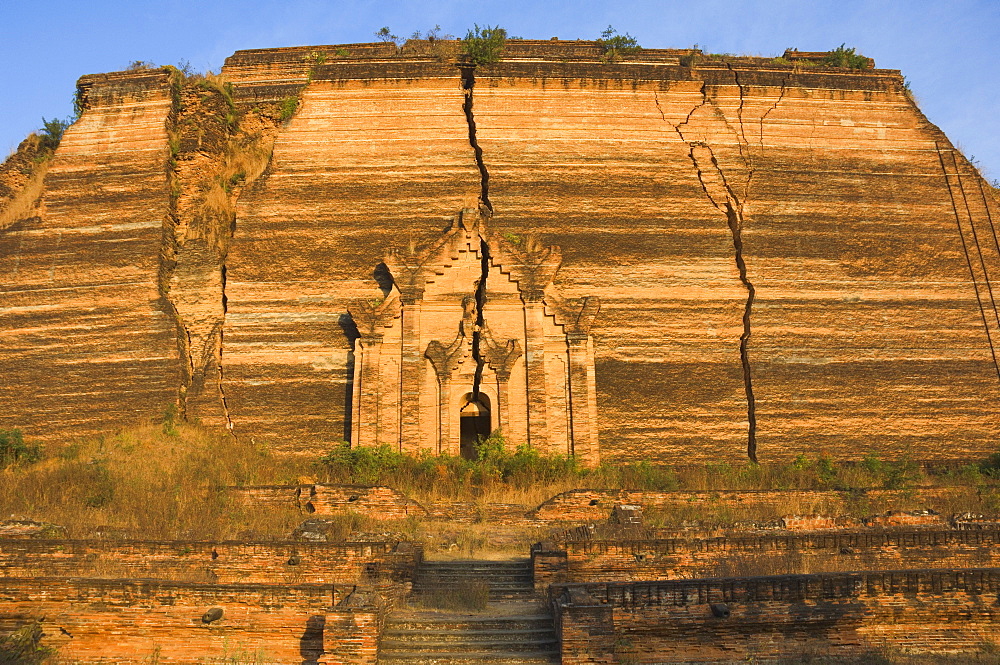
{"points": [[781, 96], [732, 208], [965, 249], [741, 136], [222, 346], [989, 214], [468, 85], [975, 240]]}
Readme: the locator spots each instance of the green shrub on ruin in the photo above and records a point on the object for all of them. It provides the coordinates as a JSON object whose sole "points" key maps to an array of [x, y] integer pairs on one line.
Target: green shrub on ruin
{"points": [[14, 451], [847, 58], [484, 46], [614, 45], [22, 646], [287, 108], [494, 464], [52, 131]]}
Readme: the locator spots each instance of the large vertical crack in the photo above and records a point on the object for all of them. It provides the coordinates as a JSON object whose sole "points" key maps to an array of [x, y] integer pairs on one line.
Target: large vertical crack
{"points": [[216, 151], [468, 85], [486, 211], [735, 219], [724, 198]]}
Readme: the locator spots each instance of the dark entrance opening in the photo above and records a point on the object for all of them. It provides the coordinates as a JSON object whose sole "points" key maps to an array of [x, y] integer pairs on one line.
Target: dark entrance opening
{"points": [[475, 422]]}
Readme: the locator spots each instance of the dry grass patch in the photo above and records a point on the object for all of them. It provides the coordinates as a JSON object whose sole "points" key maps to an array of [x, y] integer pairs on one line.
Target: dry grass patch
{"points": [[471, 595], [153, 482]]}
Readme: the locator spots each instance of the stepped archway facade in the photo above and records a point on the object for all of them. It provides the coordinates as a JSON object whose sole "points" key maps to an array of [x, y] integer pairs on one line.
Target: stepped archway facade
{"points": [[471, 337]]}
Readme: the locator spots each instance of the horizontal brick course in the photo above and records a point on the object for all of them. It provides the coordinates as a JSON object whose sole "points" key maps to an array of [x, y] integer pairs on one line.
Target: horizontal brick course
{"points": [[222, 562], [622, 560]]}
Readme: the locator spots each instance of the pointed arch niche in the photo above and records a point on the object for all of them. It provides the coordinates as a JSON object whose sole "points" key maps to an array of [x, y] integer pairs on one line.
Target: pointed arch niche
{"points": [[472, 336]]}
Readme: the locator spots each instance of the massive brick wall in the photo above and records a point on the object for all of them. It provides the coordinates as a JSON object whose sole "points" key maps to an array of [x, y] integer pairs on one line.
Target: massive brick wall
{"points": [[377, 155], [87, 341], [864, 311], [676, 188], [762, 617]]}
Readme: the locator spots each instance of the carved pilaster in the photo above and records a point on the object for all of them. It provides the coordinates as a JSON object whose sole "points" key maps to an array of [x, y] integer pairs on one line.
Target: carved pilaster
{"points": [[446, 360], [501, 359], [372, 318], [577, 317]]}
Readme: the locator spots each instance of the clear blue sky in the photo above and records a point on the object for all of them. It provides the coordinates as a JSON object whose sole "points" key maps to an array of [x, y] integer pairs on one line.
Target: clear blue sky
{"points": [[948, 49]]}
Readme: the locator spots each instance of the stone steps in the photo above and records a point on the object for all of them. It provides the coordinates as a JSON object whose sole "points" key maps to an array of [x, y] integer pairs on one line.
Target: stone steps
{"points": [[512, 580], [496, 658], [513, 629], [455, 639]]}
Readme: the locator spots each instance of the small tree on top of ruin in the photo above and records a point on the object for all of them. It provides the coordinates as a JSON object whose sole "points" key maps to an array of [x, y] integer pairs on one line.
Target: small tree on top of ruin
{"points": [[484, 46]]}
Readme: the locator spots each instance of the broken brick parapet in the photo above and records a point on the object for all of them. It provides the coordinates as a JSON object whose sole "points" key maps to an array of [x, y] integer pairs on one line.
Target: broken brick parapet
{"points": [[354, 627], [586, 632], [351, 636], [216, 562], [375, 501], [582, 505], [605, 560]]}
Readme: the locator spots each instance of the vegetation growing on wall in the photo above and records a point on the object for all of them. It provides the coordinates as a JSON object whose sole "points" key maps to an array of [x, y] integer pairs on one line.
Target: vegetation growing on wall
{"points": [[613, 45], [169, 480], [384, 34], [14, 451], [23, 646], [22, 174], [484, 45], [847, 58]]}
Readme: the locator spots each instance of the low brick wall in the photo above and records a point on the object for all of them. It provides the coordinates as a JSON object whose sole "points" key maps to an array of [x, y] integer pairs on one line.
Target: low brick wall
{"points": [[370, 500], [91, 621], [217, 563], [590, 505], [625, 560], [354, 627], [739, 619], [351, 636]]}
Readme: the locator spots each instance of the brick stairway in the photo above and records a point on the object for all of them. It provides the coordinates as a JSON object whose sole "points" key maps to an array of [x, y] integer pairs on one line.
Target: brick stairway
{"points": [[515, 627]]}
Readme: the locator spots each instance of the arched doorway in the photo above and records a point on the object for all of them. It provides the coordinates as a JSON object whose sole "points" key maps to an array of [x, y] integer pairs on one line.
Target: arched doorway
{"points": [[476, 423]]}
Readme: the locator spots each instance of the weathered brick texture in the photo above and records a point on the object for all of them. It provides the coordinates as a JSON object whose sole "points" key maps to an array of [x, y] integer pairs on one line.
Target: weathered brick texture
{"points": [[222, 563], [374, 501], [624, 560], [592, 505], [833, 613], [351, 636], [93, 621]]}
